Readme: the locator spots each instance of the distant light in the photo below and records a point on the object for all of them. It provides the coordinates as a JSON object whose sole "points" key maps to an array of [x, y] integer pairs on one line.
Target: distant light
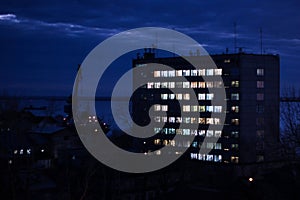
{"points": [[42, 150], [144, 142], [10, 162], [65, 119], [94, 117], [96, 130], [73, 157], [28, 151], [251, 179], [15, 151], [21, 151], [90, 117]]}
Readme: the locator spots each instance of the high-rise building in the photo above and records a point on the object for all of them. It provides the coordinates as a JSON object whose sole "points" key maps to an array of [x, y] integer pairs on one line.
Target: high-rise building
{"points": [[250, 132]]}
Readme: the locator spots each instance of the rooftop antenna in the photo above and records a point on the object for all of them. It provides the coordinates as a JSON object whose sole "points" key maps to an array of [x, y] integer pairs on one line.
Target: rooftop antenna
{"points": [[234, 26], [261, 41]]}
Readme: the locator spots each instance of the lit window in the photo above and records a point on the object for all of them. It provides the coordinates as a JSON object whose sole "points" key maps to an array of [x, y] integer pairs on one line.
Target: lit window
{"points": [[157, 142], [217, 120], [186, 132], [235, 121], [259, 72], [218, 133], [235, 83], [164, 108], [179, 131], [194, 120], [201, 85], [201, 72], [164, 96], [186, 84], [156, 73], [194, 156], [260, 84], [194, 108], [202, 132], [194, 72], [209, 72], [171, 73], [201, 156], [186, 143], [218, 146], [178, 72], [186, 96], [171, 84], [179, 96], [157, 130], [201, 96], [209, 108], [210, 145], [235, 146], [186, 72], [172, 143], [164, 119], [156, 107], [171, 130], [157, 85], [193, 84], [202, 109], [218, 72], [178, 84], [150, 85], [218, 84], [209, 96], [234, 134], [186, 108], [171, 96], [209, 157], [178, 120], [186, 120], [201, 120], [164, 85], [218, 109], [209, 120], [157, 119], [194, 132], [165, 131], [217, 158], [209, 84], [209, 133], [234, 159], [235, 96], [164, 74], [172, 119], [235, 109], [259, 96]]}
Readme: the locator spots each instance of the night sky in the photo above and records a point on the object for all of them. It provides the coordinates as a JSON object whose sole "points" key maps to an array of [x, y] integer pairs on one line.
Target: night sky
{"points": [[42, 42]]}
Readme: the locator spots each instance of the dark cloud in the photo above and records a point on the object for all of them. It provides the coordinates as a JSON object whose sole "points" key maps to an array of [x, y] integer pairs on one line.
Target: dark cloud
{"points": [[43, 41]]}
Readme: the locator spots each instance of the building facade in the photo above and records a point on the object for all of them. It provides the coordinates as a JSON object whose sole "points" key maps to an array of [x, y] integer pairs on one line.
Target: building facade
{"points": [[250, 132]]}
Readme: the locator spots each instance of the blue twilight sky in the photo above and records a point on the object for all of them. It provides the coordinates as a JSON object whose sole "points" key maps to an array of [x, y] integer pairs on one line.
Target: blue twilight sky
{"points": [[42, 42]]}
